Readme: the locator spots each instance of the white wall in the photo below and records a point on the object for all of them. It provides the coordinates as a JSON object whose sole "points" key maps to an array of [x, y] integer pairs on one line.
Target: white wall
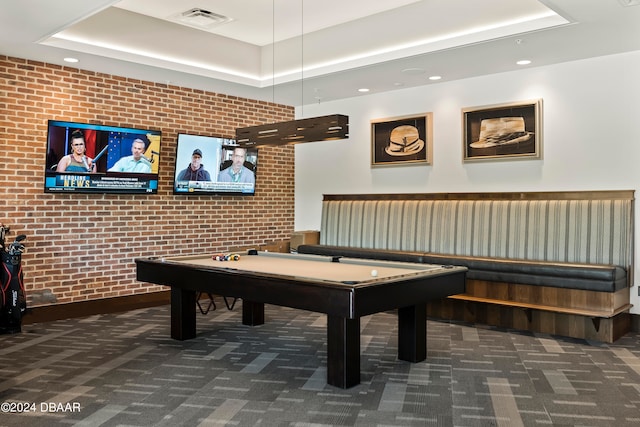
{"points": [[591, 138]]}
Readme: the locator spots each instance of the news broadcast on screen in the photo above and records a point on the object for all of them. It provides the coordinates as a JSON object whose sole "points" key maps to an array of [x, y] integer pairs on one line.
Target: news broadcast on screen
{"points": [[214, 165], [91, 158]]}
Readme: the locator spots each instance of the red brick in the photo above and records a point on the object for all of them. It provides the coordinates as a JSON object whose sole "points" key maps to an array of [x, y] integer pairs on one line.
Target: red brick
{"points": [[82, 247]]}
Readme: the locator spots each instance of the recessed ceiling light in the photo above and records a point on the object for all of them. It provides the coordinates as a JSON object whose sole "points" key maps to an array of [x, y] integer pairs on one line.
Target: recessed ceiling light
{"points": [[435, 77], [414, 71], [363, 89], [523, 62], [69, 59]]}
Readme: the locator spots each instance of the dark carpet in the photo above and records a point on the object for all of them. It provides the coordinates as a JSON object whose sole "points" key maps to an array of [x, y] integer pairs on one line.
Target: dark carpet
{"points": [[124, 370]]}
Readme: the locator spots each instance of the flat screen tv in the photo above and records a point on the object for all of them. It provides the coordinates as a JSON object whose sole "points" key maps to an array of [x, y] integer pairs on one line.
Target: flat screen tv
{"points": [[91, 158], [214, 165]]}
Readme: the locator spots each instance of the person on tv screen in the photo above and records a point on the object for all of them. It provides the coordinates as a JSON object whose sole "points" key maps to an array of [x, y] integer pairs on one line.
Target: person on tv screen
{"points": [[195, 171], [77, 161], [237, 172], [134, 163]]}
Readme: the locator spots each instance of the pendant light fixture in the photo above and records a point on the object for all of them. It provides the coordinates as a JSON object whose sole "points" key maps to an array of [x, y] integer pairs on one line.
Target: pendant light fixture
{"points": [[323, 128]]}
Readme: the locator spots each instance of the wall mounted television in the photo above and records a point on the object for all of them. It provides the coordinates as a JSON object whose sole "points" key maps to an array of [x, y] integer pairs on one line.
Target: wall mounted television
{"points": [[214, 165], [91, 158]]}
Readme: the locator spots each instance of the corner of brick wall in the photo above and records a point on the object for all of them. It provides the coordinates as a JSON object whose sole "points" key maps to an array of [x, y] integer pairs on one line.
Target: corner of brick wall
{"points": [[82, 246]]}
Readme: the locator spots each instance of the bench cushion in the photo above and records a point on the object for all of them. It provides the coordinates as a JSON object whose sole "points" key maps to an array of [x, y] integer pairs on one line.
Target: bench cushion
{"points": [[591, 277]]}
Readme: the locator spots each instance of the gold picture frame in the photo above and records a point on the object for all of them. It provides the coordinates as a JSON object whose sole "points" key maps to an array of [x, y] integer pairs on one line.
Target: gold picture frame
{"points": [[402, 140], [502, 131]]}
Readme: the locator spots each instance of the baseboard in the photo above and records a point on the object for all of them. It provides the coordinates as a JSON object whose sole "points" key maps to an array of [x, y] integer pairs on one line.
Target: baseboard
{"points": [[49, 313], [53, 312]]}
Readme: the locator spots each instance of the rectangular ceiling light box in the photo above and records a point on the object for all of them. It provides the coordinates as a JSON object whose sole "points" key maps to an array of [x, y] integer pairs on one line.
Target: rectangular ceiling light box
{"points": [[323, 128]]}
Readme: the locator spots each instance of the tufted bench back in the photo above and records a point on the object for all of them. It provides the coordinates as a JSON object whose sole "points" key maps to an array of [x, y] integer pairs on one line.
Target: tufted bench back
{"points": [[582, 227]]}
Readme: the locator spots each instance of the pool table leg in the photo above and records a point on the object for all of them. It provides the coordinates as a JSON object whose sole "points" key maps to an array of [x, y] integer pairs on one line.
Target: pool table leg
{"points": [[412, 333], [252, 313], [183, 314], [343, 351]]}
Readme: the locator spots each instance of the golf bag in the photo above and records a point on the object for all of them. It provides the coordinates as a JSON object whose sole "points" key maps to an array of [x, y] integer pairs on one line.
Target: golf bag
{"points": [[13, 299]]}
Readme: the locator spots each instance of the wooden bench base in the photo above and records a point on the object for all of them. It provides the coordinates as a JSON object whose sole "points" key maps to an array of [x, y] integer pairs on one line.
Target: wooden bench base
{"points": [[529, 307], [601, 316]]}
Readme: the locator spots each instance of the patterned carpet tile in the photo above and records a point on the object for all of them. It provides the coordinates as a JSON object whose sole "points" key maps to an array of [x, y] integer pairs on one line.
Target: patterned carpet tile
{"points": [[124, 370]]}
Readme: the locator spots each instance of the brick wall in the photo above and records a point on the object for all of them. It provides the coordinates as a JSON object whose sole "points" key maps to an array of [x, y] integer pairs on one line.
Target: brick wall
{"points": [[81, 247]]}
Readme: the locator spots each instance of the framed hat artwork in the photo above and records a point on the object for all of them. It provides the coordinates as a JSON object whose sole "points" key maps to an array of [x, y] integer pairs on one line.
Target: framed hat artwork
{"points": [[504, 131], [402, 140]]}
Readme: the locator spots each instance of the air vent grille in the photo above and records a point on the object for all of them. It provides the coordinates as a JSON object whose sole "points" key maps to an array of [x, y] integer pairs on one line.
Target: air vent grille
{"points": [[201, 18]]}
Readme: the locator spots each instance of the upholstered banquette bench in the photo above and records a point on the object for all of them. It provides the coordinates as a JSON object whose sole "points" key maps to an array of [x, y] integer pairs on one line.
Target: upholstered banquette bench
{"points": [[550, 262]]}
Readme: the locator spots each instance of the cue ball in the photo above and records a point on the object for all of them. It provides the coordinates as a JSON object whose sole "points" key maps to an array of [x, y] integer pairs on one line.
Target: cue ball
{"points": [[374, 273]]}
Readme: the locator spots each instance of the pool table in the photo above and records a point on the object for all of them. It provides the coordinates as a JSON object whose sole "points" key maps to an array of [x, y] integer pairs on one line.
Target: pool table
{"points": [[345, 289]]}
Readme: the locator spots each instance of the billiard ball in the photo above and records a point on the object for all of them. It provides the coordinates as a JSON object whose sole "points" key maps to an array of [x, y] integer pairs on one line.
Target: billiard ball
{"points": [[374, 273]]}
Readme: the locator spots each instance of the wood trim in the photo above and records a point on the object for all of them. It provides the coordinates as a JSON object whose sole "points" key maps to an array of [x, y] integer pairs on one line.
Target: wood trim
{"points": [[526, 319], [566, 310], [543, 195], [50, 313], [564, 299]]}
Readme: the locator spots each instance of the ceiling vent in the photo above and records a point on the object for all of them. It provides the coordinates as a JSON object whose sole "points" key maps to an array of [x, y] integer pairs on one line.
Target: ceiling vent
{"points": [[200, 18]]}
